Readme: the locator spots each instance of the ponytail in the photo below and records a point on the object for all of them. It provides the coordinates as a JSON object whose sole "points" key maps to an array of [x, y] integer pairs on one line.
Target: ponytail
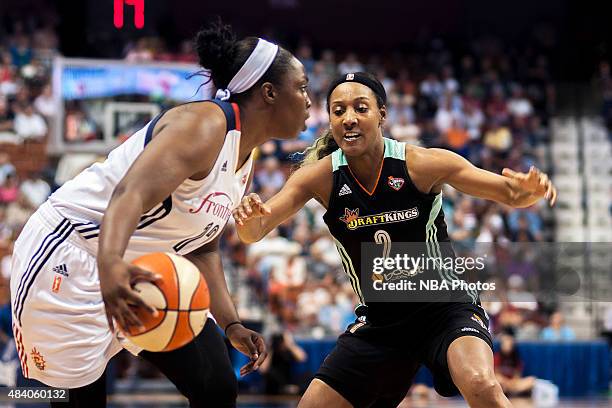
{"points": [[322, 147]]}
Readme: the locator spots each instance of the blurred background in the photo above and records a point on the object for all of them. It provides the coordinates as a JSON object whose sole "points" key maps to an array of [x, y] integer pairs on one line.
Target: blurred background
{"points": [[504, 84]]}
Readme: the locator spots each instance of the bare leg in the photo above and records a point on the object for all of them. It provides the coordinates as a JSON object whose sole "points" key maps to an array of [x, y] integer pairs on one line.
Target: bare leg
{"points": [[470, 362], [321, 395]]}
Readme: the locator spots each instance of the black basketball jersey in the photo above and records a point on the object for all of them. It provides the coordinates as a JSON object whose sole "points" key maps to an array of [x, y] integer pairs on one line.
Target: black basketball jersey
{"points": [[395, 211]]}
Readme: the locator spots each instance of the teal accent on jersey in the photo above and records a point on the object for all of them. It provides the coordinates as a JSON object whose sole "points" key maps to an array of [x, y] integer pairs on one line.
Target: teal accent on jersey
{"points": [[433, 246], [393, 149]]}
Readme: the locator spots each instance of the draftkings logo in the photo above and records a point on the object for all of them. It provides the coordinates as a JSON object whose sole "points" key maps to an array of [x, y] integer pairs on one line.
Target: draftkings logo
{"points": [[353, 221]]}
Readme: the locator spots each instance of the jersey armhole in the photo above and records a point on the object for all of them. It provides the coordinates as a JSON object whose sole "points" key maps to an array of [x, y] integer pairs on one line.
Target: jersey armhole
{"points": [[429, 196], [231, 112], [332, 196]]}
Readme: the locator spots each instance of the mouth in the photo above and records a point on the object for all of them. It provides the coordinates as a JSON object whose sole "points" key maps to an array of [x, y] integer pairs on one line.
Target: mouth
{"points": [[351, 136]]}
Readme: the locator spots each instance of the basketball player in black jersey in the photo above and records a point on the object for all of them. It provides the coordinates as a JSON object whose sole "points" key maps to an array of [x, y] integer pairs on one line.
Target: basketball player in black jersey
{"points": [[354, 173]]}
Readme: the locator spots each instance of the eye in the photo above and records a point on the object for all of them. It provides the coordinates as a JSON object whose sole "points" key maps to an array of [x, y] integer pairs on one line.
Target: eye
{"points": [[338, 111], [362, 108], [304, 88]]}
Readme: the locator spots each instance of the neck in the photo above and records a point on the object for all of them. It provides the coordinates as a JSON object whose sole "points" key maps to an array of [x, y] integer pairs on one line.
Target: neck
{"points": [[254, 131], [366, 167]]}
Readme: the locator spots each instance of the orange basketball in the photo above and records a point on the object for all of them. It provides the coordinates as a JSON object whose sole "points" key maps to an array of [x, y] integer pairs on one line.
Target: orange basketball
{"points": [[181, 297]]}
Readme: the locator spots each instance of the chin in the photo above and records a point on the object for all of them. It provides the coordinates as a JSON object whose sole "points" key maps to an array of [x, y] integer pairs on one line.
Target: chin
{"points": [[353, 151]]}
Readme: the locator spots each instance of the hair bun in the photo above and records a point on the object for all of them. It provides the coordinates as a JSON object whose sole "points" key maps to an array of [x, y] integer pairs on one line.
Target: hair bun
{"points": [[216, 46]]}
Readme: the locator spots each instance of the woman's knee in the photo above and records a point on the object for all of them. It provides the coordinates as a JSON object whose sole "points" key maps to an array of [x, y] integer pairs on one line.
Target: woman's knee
{"points": [[482, 385]]}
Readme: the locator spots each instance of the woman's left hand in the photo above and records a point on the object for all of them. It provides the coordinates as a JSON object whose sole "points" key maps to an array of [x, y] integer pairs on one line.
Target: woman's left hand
{"points": [[250, 344], [535, 182]]}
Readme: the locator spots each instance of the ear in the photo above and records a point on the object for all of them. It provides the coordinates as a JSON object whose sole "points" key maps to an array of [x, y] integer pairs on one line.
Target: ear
{"points": [[269, 93], [383, 115]]}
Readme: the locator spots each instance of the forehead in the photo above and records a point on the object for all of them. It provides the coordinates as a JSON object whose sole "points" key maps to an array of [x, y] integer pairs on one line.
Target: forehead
{"points": [[296, 71], [349, 91]]}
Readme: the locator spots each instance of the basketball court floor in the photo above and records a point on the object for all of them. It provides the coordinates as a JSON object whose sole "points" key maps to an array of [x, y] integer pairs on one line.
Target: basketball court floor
{"points": [[253, 401], [160, 393]]}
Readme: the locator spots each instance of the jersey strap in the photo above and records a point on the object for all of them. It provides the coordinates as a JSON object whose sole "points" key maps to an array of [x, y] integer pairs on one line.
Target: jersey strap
{"points": [[232, 113]]}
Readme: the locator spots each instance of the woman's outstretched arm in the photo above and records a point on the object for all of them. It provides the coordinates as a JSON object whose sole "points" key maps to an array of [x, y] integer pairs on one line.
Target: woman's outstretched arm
{"points": [[254, 219]]}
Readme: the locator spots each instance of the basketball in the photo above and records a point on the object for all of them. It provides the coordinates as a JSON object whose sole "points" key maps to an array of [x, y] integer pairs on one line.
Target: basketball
{"points": [[181, 298]]}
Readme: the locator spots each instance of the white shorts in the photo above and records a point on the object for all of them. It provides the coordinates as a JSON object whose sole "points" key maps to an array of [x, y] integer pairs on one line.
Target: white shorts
{"points": [[59, 321]]}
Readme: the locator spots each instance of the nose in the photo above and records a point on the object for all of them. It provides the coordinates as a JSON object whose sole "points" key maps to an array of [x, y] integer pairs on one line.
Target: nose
{"points": [[308, 102], [350, 119]]}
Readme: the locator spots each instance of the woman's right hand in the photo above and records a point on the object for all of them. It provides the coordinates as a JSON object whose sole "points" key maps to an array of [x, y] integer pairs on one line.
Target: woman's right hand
{"points": [[117, 279], [250, 207]]}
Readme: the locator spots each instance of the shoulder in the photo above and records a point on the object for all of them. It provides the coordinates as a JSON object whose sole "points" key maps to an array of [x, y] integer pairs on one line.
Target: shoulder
{"points": [[202, 122], [426, 166], [433, 160], [193, 134], [423, 156]]}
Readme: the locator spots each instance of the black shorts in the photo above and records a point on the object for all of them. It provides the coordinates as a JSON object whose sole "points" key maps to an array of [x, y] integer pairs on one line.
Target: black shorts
{"points": [[374, 366]]}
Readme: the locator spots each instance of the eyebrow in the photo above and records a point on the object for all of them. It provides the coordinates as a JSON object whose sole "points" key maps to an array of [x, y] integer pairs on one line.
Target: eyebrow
{"points": [[357, 98]]}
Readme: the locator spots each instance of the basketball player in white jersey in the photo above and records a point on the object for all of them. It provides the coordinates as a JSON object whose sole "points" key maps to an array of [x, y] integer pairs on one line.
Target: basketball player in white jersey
{"points": [[170, 187]]}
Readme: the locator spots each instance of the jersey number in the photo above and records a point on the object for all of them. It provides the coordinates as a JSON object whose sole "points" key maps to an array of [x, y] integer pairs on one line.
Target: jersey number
{"points": [[383, 237], [210, 229]]}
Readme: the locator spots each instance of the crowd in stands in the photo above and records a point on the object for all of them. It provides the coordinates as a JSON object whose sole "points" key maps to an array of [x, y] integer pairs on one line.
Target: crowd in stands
{"points": [[487, 104]]}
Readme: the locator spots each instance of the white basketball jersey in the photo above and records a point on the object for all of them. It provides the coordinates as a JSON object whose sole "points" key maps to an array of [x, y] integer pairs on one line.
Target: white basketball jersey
{"points": [[194, 214]]}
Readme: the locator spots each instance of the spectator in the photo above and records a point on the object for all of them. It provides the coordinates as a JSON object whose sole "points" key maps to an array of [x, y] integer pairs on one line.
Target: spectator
{"points": [[79, 127], [445, 115], [338, 314], [556, 330], [35, 190], [519, 105], [18, 212], [270, 174], [21, 52], [29, 124], [6, 232], [525, 223], [457, 139], [350, 64], [8, 75], [498, 138], [45, 104], [518, 296], [405, 131], [474, 119], [9, 190], [284, 352], [304, 54], [7, 132], [6, 167], [431, 87], [497, 108], [319, 79], [140, 52], [509, 368], [450, 84]]}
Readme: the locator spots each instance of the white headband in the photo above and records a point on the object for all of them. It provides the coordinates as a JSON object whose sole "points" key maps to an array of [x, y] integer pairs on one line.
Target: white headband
{"points": [[253, 69]]}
